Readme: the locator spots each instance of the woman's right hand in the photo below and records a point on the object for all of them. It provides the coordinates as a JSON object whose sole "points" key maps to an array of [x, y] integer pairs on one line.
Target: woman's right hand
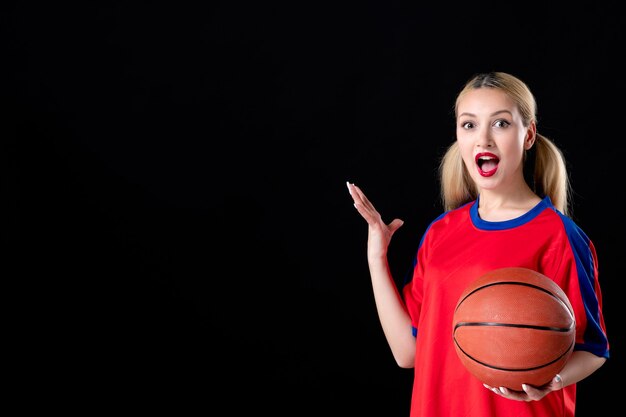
{"points": [[379, 233]]}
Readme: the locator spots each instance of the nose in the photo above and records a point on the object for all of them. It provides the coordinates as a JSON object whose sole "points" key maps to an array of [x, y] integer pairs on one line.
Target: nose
{"points": [[483, 139]]}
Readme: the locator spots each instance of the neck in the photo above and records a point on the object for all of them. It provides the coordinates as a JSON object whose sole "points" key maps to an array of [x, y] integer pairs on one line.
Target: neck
{"points": [[493, 206]]}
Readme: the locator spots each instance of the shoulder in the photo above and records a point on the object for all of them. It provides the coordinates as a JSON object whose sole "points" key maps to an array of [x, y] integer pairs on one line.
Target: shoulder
{"points": [[449, 220], [573, 230], [461, 213]]}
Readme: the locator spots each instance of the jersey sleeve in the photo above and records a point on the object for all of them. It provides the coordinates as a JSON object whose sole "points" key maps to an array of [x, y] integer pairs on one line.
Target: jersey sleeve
{"points": [[412, 292], [412, 289], [582, 267]]}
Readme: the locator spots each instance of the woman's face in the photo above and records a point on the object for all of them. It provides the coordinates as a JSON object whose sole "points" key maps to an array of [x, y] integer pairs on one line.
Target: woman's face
{"points": [[492, 138]]}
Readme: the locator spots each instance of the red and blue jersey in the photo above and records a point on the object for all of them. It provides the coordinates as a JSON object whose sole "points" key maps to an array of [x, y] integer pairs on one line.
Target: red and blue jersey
{"points": [[459, 247]]}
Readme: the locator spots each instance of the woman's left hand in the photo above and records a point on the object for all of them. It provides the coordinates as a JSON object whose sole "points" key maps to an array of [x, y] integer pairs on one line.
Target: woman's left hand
{"points": [[529, 392]]}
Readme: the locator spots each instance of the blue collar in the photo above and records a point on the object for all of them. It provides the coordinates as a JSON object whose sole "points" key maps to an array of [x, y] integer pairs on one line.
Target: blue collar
{"points": [[508, 224]]}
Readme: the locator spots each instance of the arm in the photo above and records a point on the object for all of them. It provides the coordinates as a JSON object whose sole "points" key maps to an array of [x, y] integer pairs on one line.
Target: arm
{"points": [[392, 313], [579, 366], [581, 363]]}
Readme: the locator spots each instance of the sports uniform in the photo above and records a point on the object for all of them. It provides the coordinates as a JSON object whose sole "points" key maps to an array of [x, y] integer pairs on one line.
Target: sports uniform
{"points": [[457, 248]]}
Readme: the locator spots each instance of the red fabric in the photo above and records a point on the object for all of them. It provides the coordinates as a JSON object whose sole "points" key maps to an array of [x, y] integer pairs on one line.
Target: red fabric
{"points": [[457, 248]]}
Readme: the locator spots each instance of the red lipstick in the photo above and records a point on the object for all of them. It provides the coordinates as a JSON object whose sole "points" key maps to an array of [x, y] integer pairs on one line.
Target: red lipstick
{"points": [[487, 163]]}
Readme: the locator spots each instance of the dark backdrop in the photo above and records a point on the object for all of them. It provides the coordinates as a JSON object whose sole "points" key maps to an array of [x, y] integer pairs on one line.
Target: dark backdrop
{"points": [[175, 176]]}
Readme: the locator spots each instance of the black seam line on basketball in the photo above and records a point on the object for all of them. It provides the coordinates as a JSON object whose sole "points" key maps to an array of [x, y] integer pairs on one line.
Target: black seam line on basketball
{"points": [[521, 326], [499, 368], [516, 283]]}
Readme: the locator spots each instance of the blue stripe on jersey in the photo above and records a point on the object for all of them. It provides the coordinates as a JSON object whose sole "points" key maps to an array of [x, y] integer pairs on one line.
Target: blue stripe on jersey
{"points": [[595, 340]]}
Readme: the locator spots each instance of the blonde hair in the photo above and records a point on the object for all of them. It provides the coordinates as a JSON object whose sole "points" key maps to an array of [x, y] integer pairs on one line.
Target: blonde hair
{"points": [[545, 166]]}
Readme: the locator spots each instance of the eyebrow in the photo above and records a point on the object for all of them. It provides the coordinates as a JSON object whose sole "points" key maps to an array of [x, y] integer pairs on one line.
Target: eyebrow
{"points": [[491, 115]]}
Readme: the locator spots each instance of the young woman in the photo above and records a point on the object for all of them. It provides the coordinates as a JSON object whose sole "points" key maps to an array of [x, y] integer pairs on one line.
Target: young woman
{"points": [[505, 191]]}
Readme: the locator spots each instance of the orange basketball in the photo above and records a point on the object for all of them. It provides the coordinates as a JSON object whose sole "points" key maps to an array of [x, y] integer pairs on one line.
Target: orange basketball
{"points": [[513, 326]]}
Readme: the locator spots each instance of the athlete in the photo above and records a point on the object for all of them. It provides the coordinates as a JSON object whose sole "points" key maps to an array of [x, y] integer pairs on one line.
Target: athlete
{"points": [[506, 198]]}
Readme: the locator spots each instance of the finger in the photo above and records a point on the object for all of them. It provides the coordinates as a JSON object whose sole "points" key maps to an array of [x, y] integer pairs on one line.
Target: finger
{"points": [[395, 225], [492, 389], [352, 190], [513, 394], [358, 194], [366, 214], [531, 392]]}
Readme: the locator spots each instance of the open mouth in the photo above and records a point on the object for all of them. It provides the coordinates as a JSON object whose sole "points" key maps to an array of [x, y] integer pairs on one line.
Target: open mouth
{"points": [[487, 163]]}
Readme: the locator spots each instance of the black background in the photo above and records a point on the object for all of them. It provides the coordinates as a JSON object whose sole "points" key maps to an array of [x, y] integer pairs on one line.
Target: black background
{"points": [[175, 192]]}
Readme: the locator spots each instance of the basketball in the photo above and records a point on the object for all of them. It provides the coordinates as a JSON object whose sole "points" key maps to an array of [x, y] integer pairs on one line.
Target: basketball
{"points": [[513, 326]]}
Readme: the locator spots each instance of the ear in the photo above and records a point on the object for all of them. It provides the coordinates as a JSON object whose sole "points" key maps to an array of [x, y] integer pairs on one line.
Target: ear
{"points": [[531, 135]]}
